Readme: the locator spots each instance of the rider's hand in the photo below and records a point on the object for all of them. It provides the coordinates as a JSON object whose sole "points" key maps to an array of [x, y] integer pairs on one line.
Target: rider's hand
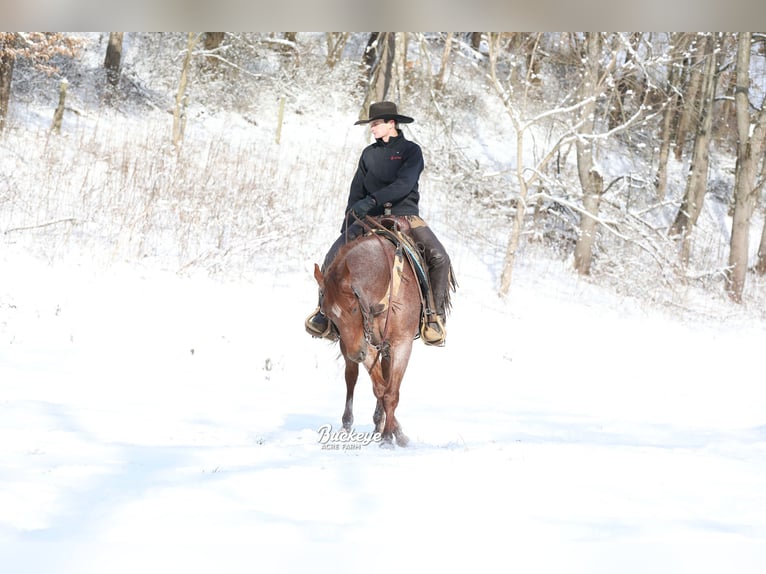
{"points": [[363, 206]]}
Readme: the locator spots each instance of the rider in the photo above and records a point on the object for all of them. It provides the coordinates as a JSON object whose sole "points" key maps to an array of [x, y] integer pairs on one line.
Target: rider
{"points": [[388, 173]]}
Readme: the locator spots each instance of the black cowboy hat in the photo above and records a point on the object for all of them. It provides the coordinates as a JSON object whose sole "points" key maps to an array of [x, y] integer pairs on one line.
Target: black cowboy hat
{"points": [[385, 111]]}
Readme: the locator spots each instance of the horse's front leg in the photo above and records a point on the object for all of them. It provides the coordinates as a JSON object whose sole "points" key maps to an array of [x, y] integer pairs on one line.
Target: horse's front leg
{"points": [[374, 368], [377, 368], [352, 374], [378, 417], [394, 371]]}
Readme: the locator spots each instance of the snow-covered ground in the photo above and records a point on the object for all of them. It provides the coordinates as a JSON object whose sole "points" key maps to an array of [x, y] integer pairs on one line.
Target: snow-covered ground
{"points": [[154, 422], [161, 404]]}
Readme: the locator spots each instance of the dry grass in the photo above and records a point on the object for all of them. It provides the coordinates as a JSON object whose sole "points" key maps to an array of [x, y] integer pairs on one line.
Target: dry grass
{"points": [[118, 190]]}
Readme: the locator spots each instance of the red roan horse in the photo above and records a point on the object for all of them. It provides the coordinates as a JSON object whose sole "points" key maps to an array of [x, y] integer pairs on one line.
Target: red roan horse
{"points": [[371, 294]]}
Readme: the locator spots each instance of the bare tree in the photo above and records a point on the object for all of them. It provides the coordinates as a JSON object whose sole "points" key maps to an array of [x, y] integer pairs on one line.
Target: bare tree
{"points": [[179, 110], [383, 70], [39, 47], [760, 264], [336, 42], [440, 82], [370, 55], [113, 58], [591, 180], [211, 42], [678, 46], [691, 105], [7, 60], [476, 40], [524, 177], [696, 184], [749, 154], [627, 84]]}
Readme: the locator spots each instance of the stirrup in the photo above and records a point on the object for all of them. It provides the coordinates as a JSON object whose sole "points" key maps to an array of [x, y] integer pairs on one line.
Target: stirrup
{"points": [[329, 333], [433, 332]]}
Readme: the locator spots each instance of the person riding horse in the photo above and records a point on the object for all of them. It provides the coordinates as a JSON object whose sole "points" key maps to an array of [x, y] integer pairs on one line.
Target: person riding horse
{"points": [[388, 173]]}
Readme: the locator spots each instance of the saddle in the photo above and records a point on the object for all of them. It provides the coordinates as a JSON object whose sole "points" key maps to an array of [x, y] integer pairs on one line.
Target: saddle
{"points": [[395, 228]]}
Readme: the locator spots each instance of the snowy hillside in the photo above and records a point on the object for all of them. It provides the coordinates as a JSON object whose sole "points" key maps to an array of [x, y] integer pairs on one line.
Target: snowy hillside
{"points": [[161, 404]]}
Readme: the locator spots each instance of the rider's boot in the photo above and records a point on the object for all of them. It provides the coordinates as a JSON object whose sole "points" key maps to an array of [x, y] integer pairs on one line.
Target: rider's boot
{"points": [[318, 325], [434, 331]]}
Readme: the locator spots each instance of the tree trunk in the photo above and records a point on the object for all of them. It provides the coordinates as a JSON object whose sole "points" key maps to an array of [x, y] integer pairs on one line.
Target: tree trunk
{"points": [[760, 265], [518, 220], [534, 62], [749, 152], [669, 115], [626, 83], [58, 115], [439, 85], [336, 42], [7, 60], [382, 71], [590, 180], [113, 58], [661, 179], [211, 41], [399, 68], [476, 40], [690, 106], [506, 277], [179, 111], [696, 184], [370, 55]]}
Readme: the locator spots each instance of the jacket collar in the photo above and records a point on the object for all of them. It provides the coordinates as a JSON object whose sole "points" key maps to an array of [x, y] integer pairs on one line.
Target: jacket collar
{"points": [[391, 140]]}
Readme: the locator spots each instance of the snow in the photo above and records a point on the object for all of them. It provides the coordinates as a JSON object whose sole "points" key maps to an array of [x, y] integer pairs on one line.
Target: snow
{"points": [[158, 422], [156, 416]]}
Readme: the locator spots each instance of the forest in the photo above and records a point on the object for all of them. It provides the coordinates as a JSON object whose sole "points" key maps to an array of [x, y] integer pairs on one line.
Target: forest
{"points": [[165, 196], [637, 157]]}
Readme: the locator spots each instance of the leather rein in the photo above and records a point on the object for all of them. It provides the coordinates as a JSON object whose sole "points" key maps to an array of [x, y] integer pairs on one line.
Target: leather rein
{"points": [[376, 228]]}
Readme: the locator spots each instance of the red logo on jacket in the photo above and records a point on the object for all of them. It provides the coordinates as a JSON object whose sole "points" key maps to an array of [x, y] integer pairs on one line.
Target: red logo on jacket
{"points": [[394, 157]]}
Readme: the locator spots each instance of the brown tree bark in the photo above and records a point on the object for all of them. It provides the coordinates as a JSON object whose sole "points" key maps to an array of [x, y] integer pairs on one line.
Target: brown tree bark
{"points": [[591, 181], [370, 55], [439, 84], [679, 42], [626, 83], [211, 41], [760, 265], [382, 71], [476, 40], [336, 42], [696, 184], [690, 106], [749, 153], [113, 58], [179, 110], [7, 60]]}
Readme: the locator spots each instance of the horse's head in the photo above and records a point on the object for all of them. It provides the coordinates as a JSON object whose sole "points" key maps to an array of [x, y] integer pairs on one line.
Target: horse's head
{"points": [[342, 305]]}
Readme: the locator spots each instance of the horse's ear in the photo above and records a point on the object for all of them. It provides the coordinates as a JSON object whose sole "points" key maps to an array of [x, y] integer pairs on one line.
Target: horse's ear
{"points": [[318, 276]]}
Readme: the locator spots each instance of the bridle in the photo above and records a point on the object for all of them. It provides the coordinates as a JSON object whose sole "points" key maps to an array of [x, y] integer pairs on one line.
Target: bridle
{"points": [[367, 311], [367, 325]]}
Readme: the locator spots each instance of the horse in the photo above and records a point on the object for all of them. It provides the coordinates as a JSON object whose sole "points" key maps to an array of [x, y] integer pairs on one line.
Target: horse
{"points": [[371, 294]]}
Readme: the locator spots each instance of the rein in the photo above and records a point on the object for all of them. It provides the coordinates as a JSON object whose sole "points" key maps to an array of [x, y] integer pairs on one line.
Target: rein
{"points": [[371, 226]]}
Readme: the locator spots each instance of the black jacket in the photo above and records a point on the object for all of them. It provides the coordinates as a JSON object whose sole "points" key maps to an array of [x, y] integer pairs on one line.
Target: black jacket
{"points": [[389, 172]]}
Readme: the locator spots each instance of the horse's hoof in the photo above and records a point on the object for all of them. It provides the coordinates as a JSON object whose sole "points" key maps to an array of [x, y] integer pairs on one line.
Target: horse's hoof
{"points": [[402, 440], [386, 443]]}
